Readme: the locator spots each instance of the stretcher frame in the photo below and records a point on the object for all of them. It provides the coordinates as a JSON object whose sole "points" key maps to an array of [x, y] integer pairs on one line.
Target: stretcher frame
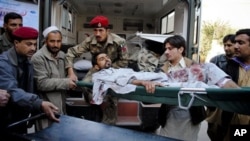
{"points": [[228, 99]]}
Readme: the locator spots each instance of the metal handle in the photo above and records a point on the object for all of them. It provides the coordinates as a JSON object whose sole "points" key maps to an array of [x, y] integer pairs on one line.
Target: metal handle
{"points": [[192, 92]]}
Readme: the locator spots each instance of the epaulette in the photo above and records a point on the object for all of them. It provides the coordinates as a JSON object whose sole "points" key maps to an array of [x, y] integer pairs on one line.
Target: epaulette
{"points": [[117, 39]]}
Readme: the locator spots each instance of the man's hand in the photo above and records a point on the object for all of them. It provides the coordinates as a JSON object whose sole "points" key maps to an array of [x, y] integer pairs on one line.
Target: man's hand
{"points": [[149, 85], [72, 84], [50, 109], [4, 98], [230, 84]]}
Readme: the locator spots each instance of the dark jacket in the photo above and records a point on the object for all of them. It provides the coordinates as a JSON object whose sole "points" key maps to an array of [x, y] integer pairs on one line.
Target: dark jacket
{"points": [[232, 69], [11, 79], [220, 61]]}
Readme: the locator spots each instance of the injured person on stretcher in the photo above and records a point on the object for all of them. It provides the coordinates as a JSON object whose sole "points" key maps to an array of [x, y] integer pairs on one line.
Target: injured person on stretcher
{"points": [[125, 80]]}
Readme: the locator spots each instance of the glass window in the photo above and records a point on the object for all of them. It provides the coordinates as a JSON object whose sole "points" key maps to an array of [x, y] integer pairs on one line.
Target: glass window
{"points": [[170, 24], [167, 23], [64, 17], [67, 19], [70, 21], [164, 25]]}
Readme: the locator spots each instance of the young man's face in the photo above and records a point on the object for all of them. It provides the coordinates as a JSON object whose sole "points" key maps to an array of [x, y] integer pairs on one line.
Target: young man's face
{"points": [[242, 46], [26, 48], [12, 25], [229, 48], [54, 42], [101, 34], [172, 53], [103, 61]]}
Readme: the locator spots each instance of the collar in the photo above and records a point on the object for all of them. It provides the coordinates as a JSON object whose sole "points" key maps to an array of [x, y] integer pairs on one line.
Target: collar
{"points": [[107, 71], [15, 58], [181, 63], [243, 65], [47, 54], [21, 59]]}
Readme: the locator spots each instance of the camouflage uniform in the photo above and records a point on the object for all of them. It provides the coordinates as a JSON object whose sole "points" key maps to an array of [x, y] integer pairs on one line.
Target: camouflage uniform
{"points": [[148, 60], [118, 53], [114, 47], [5, 44]]}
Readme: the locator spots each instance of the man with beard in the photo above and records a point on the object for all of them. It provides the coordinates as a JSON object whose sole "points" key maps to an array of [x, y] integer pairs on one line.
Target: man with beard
{"points": [[12, 21], [102, 61], [16, 77], [49, 72]]}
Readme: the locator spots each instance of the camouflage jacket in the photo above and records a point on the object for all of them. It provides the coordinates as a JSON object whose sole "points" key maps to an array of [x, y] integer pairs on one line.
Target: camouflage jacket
{"points": [[114, 47], [148, 60]]}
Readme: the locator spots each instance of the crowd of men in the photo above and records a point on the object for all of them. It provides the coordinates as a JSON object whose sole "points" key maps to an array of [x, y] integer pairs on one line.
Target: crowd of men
{"points": [[35, 80]]}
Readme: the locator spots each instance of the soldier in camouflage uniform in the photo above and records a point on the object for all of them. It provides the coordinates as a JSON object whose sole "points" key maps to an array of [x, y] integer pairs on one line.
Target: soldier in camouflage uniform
{"points": [[12, 21], [101, 41], [149, 57]]}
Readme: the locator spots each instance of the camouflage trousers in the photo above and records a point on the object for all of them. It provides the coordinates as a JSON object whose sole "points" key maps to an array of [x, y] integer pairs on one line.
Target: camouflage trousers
{"points": [[109, 108]]}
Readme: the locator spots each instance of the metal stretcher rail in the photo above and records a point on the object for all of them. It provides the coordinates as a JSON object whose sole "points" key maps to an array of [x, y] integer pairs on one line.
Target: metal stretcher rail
{"points": [[232, 100]]}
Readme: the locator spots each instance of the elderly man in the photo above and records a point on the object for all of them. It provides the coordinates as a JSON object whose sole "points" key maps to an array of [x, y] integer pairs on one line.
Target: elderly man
{"points": [[16, 76], [49, 71], [12, 21], [102, 40]]}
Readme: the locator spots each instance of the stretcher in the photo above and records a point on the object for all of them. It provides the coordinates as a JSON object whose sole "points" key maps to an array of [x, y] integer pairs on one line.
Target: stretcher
{"points": [[232, 100], [77, 129]]}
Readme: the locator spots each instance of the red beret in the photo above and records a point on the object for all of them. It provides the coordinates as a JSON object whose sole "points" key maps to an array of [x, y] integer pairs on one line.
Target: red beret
{"points": [[26, 33], [99, 21]]}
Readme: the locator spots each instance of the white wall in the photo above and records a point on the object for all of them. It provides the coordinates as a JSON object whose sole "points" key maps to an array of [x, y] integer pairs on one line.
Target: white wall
{"points": [[68, 37]]}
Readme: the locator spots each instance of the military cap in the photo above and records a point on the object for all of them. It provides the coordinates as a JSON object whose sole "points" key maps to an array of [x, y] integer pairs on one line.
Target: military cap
{"points": [[26, 33], [99, 21]]}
